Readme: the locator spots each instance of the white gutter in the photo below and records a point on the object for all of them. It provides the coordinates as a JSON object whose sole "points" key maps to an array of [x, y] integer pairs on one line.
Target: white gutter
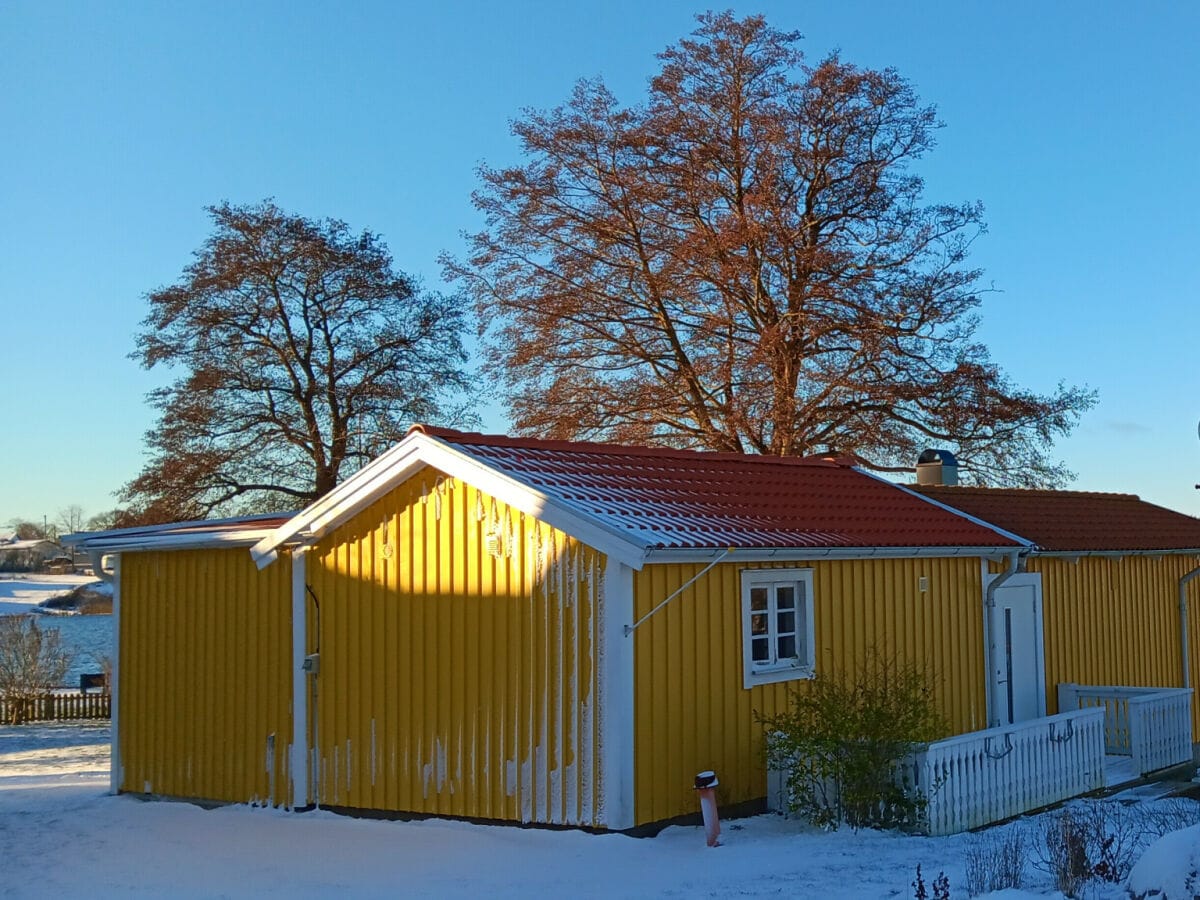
{"points": [[989, 637], [1183, 624], [1114, 554]]}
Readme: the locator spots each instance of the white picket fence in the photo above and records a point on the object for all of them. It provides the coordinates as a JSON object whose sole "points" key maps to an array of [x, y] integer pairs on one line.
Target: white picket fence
{"points": [[986, 776], [1152, 725]]}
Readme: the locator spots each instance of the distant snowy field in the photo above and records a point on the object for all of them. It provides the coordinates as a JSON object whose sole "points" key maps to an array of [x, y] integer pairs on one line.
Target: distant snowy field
{"points": [[21, 593], [88, 638], [62, 835]]}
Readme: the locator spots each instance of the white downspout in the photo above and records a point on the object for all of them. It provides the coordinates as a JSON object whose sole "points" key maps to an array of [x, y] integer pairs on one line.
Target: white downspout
{"points": [[302, 778], [989, 638], [116, 772], [97, 558], [1183, 625]]}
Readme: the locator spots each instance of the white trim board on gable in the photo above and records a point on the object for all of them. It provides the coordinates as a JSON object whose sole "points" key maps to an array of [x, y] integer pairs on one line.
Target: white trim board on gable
{"points": [[414, 453]]}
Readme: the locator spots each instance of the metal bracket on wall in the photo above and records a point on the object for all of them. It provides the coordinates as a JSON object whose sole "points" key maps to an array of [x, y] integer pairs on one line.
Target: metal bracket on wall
{"points": [[629, 629]]}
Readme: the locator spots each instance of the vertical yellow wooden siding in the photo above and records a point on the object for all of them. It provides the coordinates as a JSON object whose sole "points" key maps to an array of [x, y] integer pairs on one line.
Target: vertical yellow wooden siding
{"points": [[205, 687], [455, 680], [692, 712], [1116, 621]]}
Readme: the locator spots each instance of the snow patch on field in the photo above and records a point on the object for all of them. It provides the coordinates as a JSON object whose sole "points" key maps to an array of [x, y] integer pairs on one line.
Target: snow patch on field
{"points": [[22, 593]]}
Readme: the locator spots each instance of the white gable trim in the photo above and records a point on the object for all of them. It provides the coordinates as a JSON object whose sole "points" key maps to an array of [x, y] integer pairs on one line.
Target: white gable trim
{"points": [[1024, 542], [418, 450], [808, 554]]}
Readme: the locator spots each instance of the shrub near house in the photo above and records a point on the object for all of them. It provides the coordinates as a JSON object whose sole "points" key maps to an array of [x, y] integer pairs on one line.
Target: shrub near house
{"points": [[32, 662]]}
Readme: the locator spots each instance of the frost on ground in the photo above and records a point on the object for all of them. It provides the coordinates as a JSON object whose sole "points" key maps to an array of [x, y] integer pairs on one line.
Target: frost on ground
{"points": [[61, 834], [22, 593]]}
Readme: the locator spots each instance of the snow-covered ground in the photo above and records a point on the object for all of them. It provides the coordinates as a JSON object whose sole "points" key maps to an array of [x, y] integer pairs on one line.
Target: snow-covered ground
{"points": [[21, 593], [62, 835]]}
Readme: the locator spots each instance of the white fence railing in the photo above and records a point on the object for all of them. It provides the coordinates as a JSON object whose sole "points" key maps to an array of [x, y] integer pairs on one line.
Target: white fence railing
{"points": [[1152, 725], [986, 776]]}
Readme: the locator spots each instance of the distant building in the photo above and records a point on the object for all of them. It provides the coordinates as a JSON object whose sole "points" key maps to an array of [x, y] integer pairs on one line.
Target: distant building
{"points": [[26, 556]]}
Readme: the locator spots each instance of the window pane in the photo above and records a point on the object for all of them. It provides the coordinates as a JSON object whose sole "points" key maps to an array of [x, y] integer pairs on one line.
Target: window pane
{"points": [[785, 596], [786, 623], [787, 647], [760, 649], [758, 598], [758, 623]]}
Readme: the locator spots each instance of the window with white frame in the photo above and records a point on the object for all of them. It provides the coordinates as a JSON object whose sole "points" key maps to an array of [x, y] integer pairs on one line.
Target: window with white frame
{"points": [[777, 625]]}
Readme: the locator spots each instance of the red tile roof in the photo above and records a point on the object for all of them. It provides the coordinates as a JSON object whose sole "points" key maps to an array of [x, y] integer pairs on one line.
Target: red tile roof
{"points": [[1074, 520], [687, 499]]}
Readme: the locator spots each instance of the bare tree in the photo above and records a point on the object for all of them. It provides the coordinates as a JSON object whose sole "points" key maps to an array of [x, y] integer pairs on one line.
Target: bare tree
{"points": [[304, 354], [70, 519], [744, 262], [32, 662]]}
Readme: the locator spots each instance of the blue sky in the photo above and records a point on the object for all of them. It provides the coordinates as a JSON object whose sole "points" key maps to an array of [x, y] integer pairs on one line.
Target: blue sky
{"points": [[1076, 124]]}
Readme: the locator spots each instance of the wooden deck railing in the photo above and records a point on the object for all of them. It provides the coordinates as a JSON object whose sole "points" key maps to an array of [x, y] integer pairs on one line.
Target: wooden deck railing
{"points": [[56, 707], [1152, 725], [986, 776]]}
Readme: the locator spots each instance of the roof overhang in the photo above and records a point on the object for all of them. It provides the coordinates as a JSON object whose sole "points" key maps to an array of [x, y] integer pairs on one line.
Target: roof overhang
{"points": [[194, 541], [417, 451], [239, 531]]}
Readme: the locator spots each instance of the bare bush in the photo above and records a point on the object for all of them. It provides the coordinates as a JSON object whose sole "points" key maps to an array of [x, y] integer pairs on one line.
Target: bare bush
{"points": [[32, 661], [996, 861], [1063, 851], [1102, 839], [1114, 838], [1175, 814]]}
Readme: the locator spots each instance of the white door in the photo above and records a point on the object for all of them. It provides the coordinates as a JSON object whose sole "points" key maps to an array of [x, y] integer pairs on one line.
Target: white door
{"points": [[1018, 670]]}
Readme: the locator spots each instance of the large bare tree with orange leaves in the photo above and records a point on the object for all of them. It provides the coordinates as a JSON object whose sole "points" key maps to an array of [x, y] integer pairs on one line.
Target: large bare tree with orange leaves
{"points": [[745, 262]]}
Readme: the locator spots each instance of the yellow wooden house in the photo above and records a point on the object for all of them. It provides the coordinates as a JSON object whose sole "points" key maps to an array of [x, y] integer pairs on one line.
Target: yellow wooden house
{"points": [[536, 631], [1112, 575]]}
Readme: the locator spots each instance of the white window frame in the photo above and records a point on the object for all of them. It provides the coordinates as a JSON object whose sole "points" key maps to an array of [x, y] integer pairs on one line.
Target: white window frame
{"points": [[803, 664]]}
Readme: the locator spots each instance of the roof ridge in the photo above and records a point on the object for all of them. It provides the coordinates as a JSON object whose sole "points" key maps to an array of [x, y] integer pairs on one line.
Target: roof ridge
{"points": [[474, 438], [1023, 492]]}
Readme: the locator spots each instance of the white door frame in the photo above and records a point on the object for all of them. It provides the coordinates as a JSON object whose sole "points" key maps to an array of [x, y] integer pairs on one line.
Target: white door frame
{"points": [[993, 630]]}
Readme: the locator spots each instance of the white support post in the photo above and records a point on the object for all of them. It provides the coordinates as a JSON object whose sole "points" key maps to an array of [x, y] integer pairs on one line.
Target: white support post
{"points": [[300, 755], [115, 775], [616, 724]]}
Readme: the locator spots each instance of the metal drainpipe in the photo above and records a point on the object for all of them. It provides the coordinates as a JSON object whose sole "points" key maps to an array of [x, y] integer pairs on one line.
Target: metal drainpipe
{"points": [[1183, 624], [1015, 564], [97, 557]]}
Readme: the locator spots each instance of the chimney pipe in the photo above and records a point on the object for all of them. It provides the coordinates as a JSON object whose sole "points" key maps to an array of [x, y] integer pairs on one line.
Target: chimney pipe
{"points": [[937, 467]]}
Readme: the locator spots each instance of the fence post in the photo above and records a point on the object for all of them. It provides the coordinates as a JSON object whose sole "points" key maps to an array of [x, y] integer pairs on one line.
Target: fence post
{"points": [[1068, 697], [1136, 712]]}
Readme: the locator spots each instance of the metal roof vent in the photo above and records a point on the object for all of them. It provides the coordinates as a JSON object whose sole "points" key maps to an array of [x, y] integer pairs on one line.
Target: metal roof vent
{"points": [[937, 467]]}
